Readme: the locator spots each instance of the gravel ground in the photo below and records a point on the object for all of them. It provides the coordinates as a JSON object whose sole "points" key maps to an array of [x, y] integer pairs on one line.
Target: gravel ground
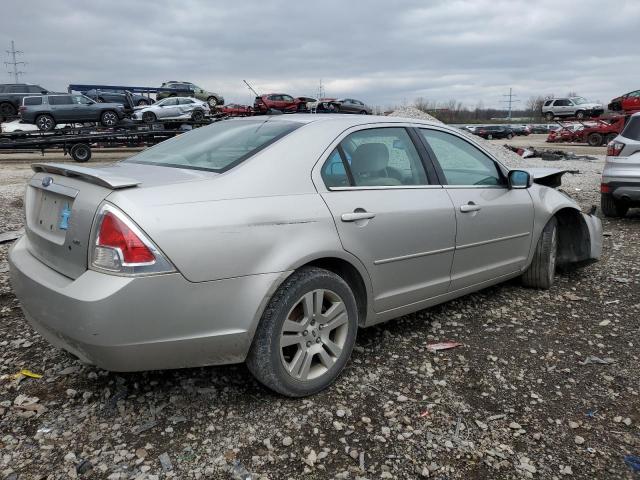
{"points": [[523, 397]]}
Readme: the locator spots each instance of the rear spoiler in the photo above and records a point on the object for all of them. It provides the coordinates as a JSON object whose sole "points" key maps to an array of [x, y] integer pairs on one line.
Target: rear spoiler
{"points": [[91, 175]]}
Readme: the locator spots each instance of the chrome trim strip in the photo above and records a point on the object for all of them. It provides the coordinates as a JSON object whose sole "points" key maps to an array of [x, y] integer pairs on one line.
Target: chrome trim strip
{"points": [[493, 240], [493, 187], [412, 255], [387, 187], [54, 187]]}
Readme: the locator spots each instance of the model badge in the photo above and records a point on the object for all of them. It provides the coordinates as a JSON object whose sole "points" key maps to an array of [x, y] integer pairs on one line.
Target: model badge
{"points": [[46, 181]]}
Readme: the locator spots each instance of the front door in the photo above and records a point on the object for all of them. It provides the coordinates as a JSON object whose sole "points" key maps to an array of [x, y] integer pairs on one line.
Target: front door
{"points": [[401, 227], [494, 223]]}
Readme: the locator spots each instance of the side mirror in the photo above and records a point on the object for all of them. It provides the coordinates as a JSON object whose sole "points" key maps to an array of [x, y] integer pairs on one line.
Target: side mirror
{"points": [[520, 179]]}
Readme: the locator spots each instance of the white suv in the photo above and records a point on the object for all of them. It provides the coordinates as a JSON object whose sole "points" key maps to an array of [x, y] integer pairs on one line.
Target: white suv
{"points": [[578, 107]]}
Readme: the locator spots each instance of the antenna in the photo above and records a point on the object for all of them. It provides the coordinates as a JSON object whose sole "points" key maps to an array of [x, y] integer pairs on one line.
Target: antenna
{"points": [[14, 63], [250, 88], [510, 101]]}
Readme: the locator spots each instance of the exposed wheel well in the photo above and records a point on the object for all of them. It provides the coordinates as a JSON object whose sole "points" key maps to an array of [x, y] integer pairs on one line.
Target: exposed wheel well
{"points": [[352, 276], [574, 243]]}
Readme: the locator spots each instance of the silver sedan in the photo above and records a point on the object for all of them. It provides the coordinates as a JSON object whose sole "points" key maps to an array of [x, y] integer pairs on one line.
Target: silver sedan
{"points": [[271, 240], [173, 108]]}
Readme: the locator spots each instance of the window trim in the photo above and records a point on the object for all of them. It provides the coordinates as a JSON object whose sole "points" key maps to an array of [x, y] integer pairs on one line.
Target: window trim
{"points": [[440, 172], [352, 186]]}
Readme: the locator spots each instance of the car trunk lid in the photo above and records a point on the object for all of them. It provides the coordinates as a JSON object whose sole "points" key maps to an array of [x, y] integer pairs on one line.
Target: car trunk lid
{"points": [[61, 202]]}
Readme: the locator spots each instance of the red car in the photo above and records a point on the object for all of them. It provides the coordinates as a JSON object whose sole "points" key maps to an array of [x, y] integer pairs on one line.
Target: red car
{"points": [[628, 103], [236, 110], [278, 101]]}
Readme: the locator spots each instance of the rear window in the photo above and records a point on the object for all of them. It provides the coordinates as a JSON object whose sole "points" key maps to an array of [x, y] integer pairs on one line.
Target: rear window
{"points": [[632, 130], [218, 147], [32, 100]]}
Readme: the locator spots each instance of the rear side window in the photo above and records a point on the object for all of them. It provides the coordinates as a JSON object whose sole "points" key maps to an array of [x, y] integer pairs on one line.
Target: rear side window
{"points": [[32, 101], [35, 89], [60, 100], [380, 157], [632, 130], [547, 103], [334, 172], [218, 147], [461, 162]]}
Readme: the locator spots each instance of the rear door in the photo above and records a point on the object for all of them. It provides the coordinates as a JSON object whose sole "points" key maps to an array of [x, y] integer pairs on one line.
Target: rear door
{"points": [[62, 108], [83, 110], [389, 215], [168, 109], [494, 223]]}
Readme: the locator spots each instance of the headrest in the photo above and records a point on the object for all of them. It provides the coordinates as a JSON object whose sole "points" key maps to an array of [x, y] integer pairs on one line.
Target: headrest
{"points": [[370, 157]]}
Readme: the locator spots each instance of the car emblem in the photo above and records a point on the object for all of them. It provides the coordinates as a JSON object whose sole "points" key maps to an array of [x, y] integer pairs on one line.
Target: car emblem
{"points": [[46, 181]]}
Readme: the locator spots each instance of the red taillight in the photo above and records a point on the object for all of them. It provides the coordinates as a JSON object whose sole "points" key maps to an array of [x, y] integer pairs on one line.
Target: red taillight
{"points": [[614, 149], [116, 235], [604, 188]]}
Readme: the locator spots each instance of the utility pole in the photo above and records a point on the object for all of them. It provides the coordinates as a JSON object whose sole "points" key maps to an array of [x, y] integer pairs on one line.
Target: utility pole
{"points": [[510, 101], [14, 63], [320, 91]]}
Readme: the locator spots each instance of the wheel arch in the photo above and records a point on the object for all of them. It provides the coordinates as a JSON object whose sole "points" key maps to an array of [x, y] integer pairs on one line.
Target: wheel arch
{"points": [[574, 238]]}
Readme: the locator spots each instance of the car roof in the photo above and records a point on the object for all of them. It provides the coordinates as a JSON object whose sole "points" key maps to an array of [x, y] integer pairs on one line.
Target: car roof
{"points": [[346, 120]]}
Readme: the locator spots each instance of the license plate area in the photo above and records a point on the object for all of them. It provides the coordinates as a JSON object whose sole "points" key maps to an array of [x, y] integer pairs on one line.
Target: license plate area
{"points": [[50, 214]]}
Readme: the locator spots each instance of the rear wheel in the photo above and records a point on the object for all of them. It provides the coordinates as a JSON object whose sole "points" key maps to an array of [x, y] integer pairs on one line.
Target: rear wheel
{"points": [[595, 139], [580, 114], [610, 137], [45, 123], [109, 119], [306, 334], [149, 117], [212, 101], [540, 273], [7, 109], [611, 207], [510, 136], [81, 152], [197, 115], [489, 137], [548, 116]]}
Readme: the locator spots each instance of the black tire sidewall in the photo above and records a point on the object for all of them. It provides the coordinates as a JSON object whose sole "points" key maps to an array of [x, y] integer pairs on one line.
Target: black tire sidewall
{"points": [[294, 288]]}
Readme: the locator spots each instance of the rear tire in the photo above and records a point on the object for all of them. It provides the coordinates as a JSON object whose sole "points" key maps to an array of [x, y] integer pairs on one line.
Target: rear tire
{"points": [[580, 114], [109, 118], [312, 357], [540, 273], [595, 139], [81, 152], [213, 102], [610, 137], [45, 123], [7, 110], [509, 136], [611, 207], [548, 116]]}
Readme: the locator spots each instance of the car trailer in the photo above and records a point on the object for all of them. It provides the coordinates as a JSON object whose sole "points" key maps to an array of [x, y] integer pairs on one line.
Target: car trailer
{"points": [[78, 142]]}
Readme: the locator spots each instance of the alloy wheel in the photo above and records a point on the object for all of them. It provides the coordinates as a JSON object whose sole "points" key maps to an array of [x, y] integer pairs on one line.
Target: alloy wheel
{"points": [[109, 119], [313, 335], [45, 123]]}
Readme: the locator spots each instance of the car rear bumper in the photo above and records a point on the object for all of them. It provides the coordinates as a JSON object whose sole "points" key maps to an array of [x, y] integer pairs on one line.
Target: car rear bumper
{"points": [[144, 323]]}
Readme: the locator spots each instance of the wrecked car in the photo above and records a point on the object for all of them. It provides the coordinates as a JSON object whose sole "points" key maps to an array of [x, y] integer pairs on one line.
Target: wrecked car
{"points": [[271, 240]]}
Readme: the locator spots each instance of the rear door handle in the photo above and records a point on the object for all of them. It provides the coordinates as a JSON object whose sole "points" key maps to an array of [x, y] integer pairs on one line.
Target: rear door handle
{"points": [[355, 216], [470, 207]]}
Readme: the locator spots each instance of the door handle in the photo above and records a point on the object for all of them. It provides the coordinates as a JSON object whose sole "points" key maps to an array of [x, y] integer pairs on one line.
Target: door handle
{"points": [[470, 207], [357, 215]]}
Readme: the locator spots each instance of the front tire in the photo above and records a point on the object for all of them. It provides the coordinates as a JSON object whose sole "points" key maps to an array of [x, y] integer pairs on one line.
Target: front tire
{"points": [[595, 139], [509, 136], [197, 116], [580, 114], [306, 334], [611, 207], [149, 117], [541, 272], [109, 119], [213, 102], [548, 116]]}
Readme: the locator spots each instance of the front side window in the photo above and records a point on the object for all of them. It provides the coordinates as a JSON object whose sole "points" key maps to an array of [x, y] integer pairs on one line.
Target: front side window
{"points": [[461, 162], [287, 98], [217, 147], [168, 102], [81, 100], [383, 157]]}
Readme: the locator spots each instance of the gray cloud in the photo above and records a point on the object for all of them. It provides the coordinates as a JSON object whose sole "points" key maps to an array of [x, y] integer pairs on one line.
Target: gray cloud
{"points": [[382, 52]]}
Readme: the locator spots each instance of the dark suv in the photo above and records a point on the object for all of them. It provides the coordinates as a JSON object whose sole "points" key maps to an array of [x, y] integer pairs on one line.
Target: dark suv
{"points": [[48, 110], [494, 131], [11, 95]]}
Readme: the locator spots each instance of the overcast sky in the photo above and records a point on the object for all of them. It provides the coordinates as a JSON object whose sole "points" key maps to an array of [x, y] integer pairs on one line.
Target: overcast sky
{"points": [[383, 52]]}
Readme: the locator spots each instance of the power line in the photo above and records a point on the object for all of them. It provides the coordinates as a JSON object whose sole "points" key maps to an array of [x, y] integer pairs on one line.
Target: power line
{"points": [[510, 101], [14, 63]]}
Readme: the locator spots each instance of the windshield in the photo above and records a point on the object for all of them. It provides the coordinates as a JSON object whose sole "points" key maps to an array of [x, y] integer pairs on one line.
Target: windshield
{"points": [[579, 100], [218, 147]]}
